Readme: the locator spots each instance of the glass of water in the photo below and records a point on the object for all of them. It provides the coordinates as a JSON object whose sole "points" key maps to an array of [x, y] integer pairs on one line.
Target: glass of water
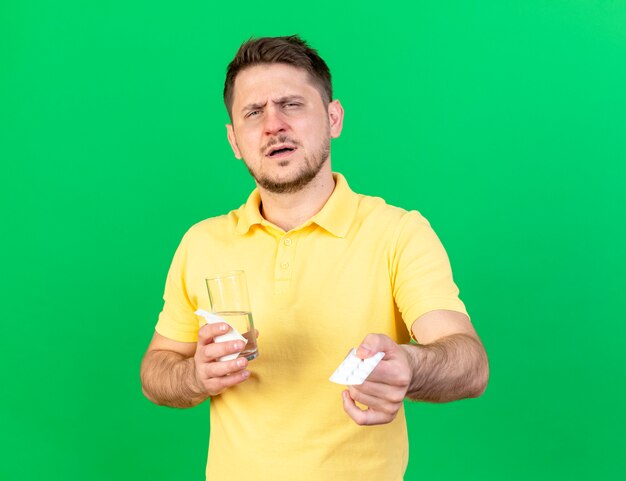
{"points": [[228, 295]]}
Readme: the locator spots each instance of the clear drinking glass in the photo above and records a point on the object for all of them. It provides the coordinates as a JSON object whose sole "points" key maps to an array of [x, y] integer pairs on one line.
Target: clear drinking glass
{"points": [[228, 295]]}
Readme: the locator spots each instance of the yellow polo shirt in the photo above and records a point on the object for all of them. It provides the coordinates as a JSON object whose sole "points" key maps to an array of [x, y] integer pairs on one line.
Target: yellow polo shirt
{"points": [[358, 266]]}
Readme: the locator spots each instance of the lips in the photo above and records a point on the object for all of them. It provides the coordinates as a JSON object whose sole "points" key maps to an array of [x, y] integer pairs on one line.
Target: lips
{"points": [[280, 150]]}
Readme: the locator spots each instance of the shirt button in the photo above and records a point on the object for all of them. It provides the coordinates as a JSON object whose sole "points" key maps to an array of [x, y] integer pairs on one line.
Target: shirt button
{"points": [[284, 265], [287, 241]]}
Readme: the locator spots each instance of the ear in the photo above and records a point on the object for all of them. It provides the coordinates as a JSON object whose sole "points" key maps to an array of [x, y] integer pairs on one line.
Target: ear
{"points": [[335, 118], [230, 134]]}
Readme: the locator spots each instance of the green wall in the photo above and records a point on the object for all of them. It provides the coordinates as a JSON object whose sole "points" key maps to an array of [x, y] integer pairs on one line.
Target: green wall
{"points": [[504, 123]]}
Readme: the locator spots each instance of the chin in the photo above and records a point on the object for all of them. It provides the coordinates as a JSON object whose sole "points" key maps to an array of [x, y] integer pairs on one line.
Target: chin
{"points": [[285, 184]]}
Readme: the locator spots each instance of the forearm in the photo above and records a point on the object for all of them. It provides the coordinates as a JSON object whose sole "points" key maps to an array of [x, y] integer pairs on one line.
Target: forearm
{"points": [[451, 368], [168, 379]]}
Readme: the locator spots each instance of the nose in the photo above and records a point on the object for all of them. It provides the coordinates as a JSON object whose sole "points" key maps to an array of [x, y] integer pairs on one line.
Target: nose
{"points": [[275, 122]]}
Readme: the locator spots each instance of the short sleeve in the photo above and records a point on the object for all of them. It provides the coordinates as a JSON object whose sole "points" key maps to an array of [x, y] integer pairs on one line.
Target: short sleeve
{"points": [[177, 320], [420, 271]]}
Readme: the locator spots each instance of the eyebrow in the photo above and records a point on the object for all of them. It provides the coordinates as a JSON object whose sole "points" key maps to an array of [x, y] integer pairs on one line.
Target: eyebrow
{"points": [[281, 100], [288, 98], [252, 107]]}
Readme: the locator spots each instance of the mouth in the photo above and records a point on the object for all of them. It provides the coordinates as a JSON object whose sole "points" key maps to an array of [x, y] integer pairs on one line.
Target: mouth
{"points": [[280, 151]]}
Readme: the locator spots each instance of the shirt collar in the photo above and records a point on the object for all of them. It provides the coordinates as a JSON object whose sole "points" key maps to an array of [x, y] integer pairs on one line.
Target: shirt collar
{"points": [[336, 216], [249, 214]]}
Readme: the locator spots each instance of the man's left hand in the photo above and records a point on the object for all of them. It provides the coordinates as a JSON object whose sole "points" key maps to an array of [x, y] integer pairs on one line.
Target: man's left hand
{"points": [[384, 390]]}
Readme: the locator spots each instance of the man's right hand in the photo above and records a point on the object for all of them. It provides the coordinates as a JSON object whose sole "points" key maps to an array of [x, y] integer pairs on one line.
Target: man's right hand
{"points": [[212, 376], [184, 374]]}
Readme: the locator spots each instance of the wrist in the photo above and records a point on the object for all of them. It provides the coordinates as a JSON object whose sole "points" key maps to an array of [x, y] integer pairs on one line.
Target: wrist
{"points": [[414, 355]]}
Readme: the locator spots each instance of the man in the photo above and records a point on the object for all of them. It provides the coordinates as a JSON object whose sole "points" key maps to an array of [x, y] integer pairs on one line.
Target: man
{"points": [[327, 270]]}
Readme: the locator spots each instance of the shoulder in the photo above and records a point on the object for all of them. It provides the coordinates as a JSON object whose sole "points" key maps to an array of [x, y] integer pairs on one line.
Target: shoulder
{"points": [[216, 228], [377, 211]]}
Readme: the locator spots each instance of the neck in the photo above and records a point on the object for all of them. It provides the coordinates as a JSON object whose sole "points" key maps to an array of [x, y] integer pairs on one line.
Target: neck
{"points": [[291, 210]]}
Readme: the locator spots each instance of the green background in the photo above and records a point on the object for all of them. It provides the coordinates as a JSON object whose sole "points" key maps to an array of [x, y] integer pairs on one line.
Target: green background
{"points": [[504, 123]]}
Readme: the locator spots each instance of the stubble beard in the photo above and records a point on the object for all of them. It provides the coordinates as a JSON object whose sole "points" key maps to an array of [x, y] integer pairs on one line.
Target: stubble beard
{"points": [[312, 165]]}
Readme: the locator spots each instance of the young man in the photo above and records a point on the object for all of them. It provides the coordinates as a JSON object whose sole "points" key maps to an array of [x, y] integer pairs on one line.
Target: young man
{"points": [[327, 270]]}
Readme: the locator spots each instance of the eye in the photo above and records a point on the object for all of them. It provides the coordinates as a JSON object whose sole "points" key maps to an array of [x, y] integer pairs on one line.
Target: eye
{"points": [[252, 113], [292, 104]]}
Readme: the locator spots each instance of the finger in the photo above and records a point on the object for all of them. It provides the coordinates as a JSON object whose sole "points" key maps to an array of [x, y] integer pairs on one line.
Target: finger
{"points": [[216, 350], [350, 407], [220, 384], [391, 373], [385, 392], [374, 343], [374, 402], [220, 369], [208, 332], [363, 417]]}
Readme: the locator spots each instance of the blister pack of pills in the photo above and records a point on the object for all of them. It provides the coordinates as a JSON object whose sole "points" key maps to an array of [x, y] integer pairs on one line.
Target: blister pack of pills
{"points": [[354, 370]]}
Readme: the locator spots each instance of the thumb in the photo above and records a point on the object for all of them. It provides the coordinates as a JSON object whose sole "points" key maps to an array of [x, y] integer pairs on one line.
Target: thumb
{"points": [[374, 343]]}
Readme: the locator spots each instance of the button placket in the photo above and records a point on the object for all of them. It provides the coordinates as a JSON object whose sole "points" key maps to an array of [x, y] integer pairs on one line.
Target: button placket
{"points": [[284, 258]]}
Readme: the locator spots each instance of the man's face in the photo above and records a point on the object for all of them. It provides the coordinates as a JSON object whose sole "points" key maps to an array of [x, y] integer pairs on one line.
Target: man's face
{"points": [[281, 127]]}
